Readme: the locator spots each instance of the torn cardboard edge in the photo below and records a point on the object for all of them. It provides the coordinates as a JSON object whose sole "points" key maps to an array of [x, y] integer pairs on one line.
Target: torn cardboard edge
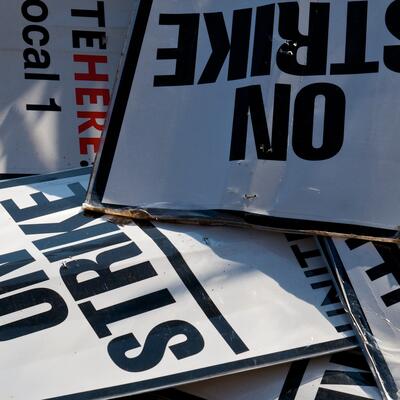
{"points": [[249, 220]]}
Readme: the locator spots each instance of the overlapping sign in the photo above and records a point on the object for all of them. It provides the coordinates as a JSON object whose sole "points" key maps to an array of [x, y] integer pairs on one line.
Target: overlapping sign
{"points": [[59, 62], [343, 376], [368, 277], [275, 113], [92, 308]]}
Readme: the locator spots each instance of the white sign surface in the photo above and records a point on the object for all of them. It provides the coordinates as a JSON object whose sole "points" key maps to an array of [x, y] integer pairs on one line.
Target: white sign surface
{"points": [[280, 111], [368, 276], [94, 309], [59, 62]]}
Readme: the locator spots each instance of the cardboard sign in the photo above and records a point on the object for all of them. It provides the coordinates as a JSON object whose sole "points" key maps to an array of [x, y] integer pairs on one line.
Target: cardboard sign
{"points": [[368, 277], [342, 376], [59, 62], [101, 308], [274, 113]]}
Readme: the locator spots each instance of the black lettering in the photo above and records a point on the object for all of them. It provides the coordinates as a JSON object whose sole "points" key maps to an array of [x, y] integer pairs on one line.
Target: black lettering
{"points": [[32, 58], [13, 261], [249, 100], [351, 358], [389, 266], [262, 48], [303, 256], [26, 34], [356, 42], [44, 206], [68, 225], [240, 41], [343, 328], [98, 13], [155, 346], [10, 262], [333, 127], [391, 54], [35, 4], [332, 296], [99, 319], [316, 41], [85, 247], [34, 323], [22, 281], [106, 279], [356, 378], [184, 54], [69, 230], [221, 45], [52, 106], [42, 77], [391, 298], [355, 243], [89, 37]]}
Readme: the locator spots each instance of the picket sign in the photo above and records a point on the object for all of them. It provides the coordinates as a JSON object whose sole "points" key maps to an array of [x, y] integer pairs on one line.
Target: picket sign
{"points": [[368, 277], [94, 308], [261, 112], [343, 376], [59, 62]]}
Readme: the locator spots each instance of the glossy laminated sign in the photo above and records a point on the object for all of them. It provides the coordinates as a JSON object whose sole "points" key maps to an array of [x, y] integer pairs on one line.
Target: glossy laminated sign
{"points": [[342, 376], [103, 308], [270, 113], [59, 63], [368, 277]]}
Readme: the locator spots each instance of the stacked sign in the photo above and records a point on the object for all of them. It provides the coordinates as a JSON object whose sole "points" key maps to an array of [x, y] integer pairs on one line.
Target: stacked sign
{"points": [[59, 61], [256, 122], [125, 307], [368, 276], [341, 376]]}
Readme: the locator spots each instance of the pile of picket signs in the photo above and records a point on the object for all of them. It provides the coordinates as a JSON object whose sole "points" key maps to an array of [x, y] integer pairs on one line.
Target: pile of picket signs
{"points": [[237, 237]]}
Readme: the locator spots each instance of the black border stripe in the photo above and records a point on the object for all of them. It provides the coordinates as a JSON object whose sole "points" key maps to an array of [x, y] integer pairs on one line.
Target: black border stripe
{"points": [[358, 319], [113, 125], [27, 180], [293, 380], [215, 370], [195, 288], [14, 176], [166, 394]]}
